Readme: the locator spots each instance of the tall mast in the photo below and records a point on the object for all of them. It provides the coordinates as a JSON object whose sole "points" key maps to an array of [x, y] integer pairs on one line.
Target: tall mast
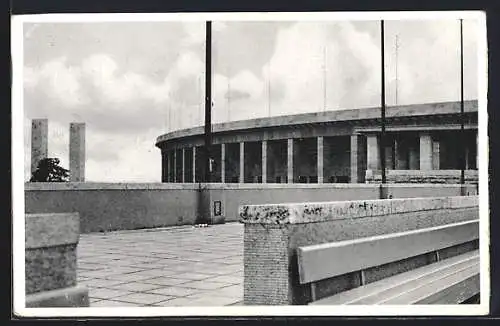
{"points": [[382, 104], [208, 103], [462, 130]]}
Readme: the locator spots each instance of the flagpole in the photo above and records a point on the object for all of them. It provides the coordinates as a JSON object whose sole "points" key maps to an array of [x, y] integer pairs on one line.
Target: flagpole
{"points": [[462, 129], [382, 106], [208, 102]]}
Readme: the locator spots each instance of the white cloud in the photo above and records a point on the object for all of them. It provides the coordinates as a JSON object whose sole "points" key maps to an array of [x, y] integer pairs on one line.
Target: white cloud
{"points": [[125, 109]]}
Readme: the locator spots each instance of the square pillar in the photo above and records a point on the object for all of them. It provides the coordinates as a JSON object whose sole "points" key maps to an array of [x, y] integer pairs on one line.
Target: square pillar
{"points": [[223, 163], [39, 142], [175, 166], [355, 158], [290, 161], [242, 162], [164, 166], [435, 154], [401, 156], [425, 151], [264, 161], [414, 163], [77, 152], [372, 152], [169, 164], [477, 150], [194, 164], [183, 165], [320, 159]]}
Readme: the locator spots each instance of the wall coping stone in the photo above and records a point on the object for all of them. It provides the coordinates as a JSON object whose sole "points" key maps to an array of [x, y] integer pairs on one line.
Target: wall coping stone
{"points": [[297, 213], [52, 229], [78, 186]]}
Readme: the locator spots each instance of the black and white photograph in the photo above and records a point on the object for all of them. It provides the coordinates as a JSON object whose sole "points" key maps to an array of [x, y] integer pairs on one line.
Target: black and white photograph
{"points": [[329, 163]]}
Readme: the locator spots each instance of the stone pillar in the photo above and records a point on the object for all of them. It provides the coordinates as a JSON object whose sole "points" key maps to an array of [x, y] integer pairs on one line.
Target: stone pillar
{"points": [[388, 154], [242, 162], [425, 151], [401, 159], [223, 163], [164, 166], [414, 163], [39, 141], [169, 163], [194, 164], [320, 159], [290, 161], [175, 166], [77, 152], [355, 158], [466, 154], [372, 152], [264, 161], [477, 150], [183, 165], [435, 154]]}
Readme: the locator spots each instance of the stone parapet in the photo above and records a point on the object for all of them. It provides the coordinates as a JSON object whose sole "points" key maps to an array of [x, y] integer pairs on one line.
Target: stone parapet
{"points": [[51, 261], [279, 214], [272, 234]]}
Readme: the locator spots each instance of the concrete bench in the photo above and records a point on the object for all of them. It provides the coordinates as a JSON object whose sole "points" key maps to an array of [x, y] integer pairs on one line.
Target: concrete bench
{"points": [[446, 281], [51, 261], [276, 235]]}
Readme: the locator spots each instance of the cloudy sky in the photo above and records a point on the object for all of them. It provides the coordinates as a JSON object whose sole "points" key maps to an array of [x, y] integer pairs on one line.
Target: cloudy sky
{"points": [[133, 81]]}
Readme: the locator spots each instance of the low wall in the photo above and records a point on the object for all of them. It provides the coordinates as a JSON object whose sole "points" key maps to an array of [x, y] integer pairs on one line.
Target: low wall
{"points": [[107, 207], [51, 261], [272, 234], [422, 176]]}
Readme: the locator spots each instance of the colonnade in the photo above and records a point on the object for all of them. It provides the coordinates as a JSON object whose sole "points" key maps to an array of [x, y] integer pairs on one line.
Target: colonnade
{"points": [[331, 159]]}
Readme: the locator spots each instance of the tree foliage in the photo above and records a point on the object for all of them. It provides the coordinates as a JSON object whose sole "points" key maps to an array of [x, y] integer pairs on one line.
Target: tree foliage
{"points": [[48, 170]]}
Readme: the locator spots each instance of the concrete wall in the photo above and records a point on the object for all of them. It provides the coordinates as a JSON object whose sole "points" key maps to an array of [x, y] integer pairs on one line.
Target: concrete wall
{"points": [[106, 207]]}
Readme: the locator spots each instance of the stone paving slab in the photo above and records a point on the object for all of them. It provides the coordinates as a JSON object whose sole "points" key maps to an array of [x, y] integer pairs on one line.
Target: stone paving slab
{"points": [[178, 266]]}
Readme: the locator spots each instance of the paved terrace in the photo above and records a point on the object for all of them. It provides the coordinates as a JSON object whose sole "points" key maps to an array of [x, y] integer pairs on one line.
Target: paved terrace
{"points": [[176, 266]]}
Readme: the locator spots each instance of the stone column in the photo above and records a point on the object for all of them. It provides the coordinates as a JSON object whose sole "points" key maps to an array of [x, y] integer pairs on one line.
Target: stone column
{"points": [[388, 154], [435, 154], [401, 159], [425, 151], [183, 165], [413, 163], [223, 163], [242, 162], [175, 166], [264, 161], [320, 159], [39, 141], [169, 163], [194, 164], [466, 154], [477, 149], [290, 161], [164, 166], [372, 152], [355, 153], [77, 152]]}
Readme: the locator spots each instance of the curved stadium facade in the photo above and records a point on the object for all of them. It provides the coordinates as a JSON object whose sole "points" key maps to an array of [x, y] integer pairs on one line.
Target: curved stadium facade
{"points": [[422, 144]]}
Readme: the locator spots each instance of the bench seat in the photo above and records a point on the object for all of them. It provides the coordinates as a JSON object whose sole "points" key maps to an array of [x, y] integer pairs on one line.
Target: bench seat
{"points": [[449, 281], [445, 281]]}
